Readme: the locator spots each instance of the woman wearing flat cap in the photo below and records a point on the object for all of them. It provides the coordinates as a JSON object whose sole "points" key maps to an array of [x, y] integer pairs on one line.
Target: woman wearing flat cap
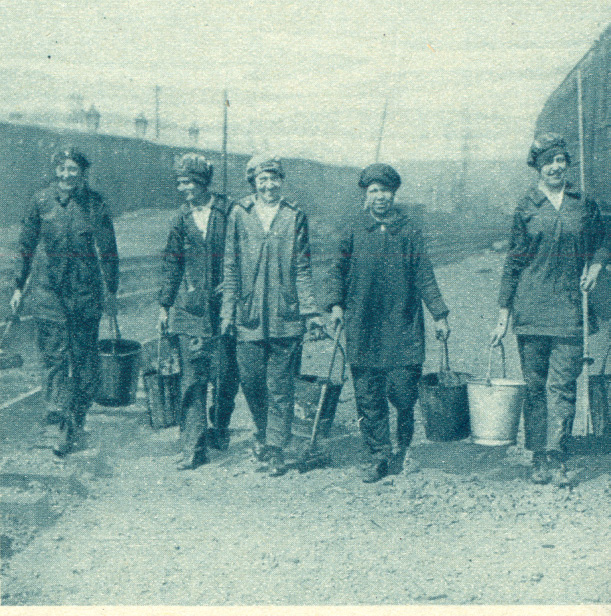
{"points": [[267, 298], [557, 249], [190, 304], [79, 258], [380, 277]]}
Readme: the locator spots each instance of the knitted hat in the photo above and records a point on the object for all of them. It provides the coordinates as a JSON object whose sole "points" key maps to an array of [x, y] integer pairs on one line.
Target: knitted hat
{"points": [[194, 166], [544, 148], [263, 162], [378, 172]]}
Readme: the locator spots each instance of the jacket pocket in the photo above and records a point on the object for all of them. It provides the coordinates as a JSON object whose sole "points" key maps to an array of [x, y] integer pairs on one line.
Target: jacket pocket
{"points": [[196, 302], [247, 315]]}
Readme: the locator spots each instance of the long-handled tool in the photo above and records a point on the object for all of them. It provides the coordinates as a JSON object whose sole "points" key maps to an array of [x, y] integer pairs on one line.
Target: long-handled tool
{"points": [[313, 457], [12, 360], [587, 362]]}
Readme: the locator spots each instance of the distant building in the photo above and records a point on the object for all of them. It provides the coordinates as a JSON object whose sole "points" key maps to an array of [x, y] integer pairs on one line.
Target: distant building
{"points": [[141, 124], [92, 119], [194, 133], [77, 114]]}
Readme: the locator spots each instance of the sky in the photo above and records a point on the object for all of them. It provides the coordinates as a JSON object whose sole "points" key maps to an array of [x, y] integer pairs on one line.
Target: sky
{"points": [[305, 78]]}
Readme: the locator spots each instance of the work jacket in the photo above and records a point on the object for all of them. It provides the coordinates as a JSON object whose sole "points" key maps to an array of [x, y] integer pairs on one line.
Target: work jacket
{"points": [[268, 289], [79, 250], [380, 276], [547, 253], [193, 269]]}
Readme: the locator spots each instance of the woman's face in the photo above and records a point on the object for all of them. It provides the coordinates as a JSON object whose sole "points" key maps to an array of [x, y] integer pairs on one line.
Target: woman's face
{"points": [[69, 175], [268, 186], [191, 191], [379, 198], [553, 174]]}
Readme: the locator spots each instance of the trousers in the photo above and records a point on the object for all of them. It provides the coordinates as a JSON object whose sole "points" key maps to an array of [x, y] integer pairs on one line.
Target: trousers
{"points": [[550, 367], [373, 389], [71, 366], [267, 375], [202, 358]]}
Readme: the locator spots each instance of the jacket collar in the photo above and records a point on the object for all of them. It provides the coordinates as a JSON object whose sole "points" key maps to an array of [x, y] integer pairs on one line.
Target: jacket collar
{"points": [[248, 203], [219, 203], [537, 196], [394, 225], [79, 195]]}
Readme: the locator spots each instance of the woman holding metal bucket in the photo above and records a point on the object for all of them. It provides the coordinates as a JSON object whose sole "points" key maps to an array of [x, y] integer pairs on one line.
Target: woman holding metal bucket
{"points": [[78, 260], [557, 249], [380, 276]]}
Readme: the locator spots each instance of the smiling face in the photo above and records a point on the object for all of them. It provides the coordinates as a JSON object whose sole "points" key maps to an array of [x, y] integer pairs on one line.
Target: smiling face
{"points": [[70, 176], [379, 199], [268, 186], [192, 192], [553, 174]]}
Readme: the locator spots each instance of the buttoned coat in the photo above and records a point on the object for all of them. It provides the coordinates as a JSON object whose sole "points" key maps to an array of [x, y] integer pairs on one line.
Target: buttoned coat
{"points": [[547, 253], [268, 289], [380, 275], [193, 268], [79, 253]]}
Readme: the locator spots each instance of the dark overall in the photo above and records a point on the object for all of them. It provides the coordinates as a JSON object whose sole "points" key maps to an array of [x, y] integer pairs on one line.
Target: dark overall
{"points": [[192, 270], [380, 276], [79, 251]]}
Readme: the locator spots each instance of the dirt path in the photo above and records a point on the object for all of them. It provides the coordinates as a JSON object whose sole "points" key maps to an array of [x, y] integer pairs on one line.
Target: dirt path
{"points": [[466, 529]]}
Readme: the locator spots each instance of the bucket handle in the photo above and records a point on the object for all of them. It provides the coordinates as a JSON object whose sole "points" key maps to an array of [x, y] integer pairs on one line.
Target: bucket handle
{"points": [[113, 326], [444, 357], [503, 363]]}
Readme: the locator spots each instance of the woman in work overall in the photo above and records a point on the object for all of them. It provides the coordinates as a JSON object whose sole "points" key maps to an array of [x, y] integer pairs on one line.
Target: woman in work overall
{"points": [[557, 249], [78, 260]]}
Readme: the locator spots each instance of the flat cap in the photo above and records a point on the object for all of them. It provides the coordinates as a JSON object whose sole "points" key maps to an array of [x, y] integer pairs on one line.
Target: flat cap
{"points": [[544, 147], [263, 162], [379, 172], [194, 166]]}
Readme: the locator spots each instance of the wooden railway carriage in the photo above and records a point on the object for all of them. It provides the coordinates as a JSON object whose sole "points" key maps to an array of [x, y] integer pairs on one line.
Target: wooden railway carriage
{"points": [[560, 115]]}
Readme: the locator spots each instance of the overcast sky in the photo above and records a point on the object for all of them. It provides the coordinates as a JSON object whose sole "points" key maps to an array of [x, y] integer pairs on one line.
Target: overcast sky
{"points": [[308, 77]]}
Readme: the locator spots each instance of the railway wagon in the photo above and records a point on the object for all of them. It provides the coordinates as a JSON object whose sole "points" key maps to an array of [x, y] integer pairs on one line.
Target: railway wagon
{"points": [[561, 114]]}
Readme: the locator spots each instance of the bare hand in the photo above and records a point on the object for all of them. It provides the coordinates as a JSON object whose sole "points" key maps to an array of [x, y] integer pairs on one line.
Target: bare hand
{"points": [[589, 277], [499, 332], [163, 320], [315, 328], [219, 289], [15, 302], [337, 316], [442, 329]]}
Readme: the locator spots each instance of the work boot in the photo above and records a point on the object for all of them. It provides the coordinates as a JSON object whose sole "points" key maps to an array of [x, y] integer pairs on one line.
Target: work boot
{"points": [[276, 467], [218, 438], [559, 476], [260, 451], [65, 444], [541, 473], [53, 417], [375, 471], [193, 460]]}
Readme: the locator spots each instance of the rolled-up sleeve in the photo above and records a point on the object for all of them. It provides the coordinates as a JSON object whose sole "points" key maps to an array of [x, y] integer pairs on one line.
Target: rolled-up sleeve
{"points": [[303, 268], [231, 268]]}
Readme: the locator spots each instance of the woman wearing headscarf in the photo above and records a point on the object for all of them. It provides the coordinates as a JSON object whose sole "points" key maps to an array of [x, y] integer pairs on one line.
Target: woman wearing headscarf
{"points": [[557, 249], [380, 277], [190, 304], [79, 258], [267, 298]]}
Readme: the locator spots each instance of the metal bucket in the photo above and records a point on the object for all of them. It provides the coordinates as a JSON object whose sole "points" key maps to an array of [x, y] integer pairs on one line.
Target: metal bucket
{"points": [[444, 402], [495, 406], [119, 366], [162, 383]]}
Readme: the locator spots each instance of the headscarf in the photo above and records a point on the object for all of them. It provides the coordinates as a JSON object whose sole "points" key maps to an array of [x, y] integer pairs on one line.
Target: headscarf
{"points": [[263, 162], [544, 148]]}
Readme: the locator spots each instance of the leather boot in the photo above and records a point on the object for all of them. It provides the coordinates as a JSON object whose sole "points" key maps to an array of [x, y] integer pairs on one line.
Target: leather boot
{"points": [[65, 443]]}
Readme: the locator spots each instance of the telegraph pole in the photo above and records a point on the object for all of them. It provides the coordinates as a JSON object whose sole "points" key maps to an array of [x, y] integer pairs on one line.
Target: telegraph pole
{"points": [[157, 93], [381, 135], [224, 148]]}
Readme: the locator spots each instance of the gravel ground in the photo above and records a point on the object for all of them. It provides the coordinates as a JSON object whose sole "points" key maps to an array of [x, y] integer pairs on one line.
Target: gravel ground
{"points": [[465, 529]]}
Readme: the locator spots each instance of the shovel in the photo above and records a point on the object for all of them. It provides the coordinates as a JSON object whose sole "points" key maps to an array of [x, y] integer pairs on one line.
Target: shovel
{"points": [[313, 457]]}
